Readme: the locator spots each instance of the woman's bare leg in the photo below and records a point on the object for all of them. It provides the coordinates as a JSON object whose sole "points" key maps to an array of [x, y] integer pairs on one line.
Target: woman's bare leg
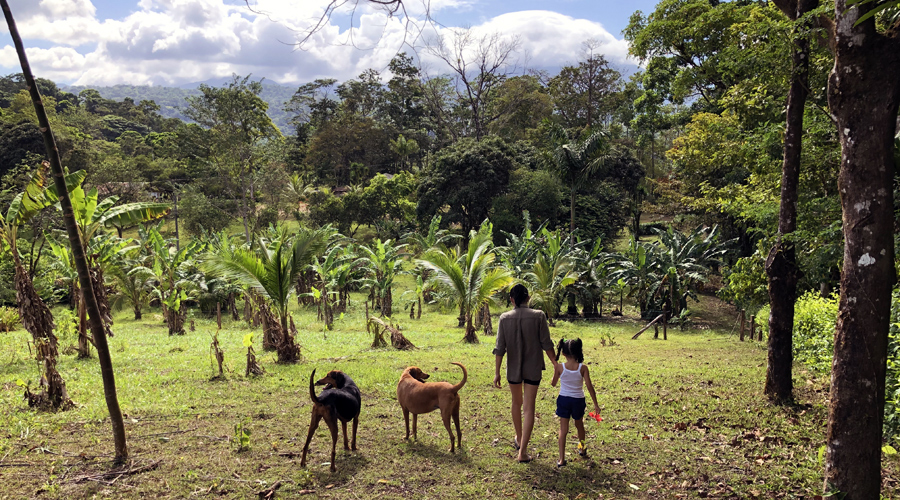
{"points": [[516, 391], [528, 424]]}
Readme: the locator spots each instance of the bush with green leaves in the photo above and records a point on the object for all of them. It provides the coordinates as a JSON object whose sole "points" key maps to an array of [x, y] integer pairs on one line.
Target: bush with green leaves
{"points": [[199, 212], [9, 319], [814, 320], [892, 380]]}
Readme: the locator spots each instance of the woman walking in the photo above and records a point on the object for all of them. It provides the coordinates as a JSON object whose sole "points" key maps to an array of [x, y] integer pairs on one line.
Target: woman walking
{"points": [[523, 335]]}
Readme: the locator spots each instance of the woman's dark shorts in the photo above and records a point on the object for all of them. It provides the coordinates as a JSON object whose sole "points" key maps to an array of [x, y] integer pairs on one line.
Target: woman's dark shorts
{"points": [[529, 382], [567, 407]]}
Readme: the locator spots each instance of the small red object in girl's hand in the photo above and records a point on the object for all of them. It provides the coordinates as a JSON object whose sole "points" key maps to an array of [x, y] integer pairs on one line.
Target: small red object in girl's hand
{"points": [[595, 416]]}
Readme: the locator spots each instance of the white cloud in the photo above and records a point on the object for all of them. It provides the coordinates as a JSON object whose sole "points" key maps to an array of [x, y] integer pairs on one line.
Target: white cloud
{"points": [[176, 41]]}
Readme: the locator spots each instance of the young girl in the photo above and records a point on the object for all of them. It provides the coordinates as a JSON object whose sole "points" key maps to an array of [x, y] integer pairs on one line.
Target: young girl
{"points": [[573, 375]]}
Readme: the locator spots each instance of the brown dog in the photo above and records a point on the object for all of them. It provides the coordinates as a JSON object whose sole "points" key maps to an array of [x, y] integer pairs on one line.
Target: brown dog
{"points": [[417, 396], [339, 401]]}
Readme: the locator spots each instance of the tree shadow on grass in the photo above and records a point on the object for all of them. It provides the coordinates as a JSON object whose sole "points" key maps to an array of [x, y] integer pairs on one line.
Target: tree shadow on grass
{"points": [[576, 477]]}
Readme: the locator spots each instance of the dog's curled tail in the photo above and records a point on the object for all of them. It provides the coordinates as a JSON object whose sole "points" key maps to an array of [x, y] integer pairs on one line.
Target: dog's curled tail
{"points": [[462, 382], [312, 388]]}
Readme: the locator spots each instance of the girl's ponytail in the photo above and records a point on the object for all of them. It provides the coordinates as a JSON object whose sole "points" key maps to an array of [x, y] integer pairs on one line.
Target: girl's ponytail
{"points": [[559, 347], [575, 350]]}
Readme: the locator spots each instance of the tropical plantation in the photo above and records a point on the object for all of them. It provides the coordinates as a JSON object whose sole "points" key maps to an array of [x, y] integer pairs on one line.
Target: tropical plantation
{"points": [[719, 228]]}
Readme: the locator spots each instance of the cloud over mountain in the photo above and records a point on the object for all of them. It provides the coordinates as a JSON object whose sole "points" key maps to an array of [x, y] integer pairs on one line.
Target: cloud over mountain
{"points": [[170, 42]]}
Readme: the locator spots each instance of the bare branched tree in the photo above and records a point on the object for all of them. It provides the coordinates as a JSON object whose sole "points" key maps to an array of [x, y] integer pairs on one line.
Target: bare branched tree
{"points": [[414, 25], [480, 64]]}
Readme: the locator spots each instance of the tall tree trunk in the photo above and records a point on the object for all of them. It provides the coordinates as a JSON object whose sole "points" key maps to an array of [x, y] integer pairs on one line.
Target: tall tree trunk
{"points": [[782, 270], [84, 343], [863, 95], [106, 368]]}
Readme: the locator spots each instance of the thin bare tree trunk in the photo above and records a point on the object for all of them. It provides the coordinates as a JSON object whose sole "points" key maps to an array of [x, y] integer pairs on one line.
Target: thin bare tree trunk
{"points": [[782, 270], [864, 96], [84, 277]]}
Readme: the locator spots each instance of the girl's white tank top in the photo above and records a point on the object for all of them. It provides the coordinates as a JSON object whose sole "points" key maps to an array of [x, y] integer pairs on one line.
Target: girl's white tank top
{"points": [[571, 383]]}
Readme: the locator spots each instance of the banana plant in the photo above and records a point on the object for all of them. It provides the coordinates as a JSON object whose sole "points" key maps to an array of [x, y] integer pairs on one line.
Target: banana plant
{"points": [[518, 253], [39, 194], [332, 270], [175, 274]]}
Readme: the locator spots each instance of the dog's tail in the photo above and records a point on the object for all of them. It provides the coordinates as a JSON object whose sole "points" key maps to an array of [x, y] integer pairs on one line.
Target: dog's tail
{"points": [[462, 382], [312, 389]]}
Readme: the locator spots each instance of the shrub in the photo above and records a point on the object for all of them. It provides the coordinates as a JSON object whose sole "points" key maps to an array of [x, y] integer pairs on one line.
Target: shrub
{"points": [[892, 382], [649, 228], [9, 319], [814, 321]]}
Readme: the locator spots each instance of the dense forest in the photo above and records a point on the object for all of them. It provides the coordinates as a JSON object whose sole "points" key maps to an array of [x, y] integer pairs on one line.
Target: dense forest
{"points": [[715, 169]]}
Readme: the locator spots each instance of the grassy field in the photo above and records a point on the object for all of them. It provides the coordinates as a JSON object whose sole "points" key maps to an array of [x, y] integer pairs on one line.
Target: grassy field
{"points": [[683, 418]]}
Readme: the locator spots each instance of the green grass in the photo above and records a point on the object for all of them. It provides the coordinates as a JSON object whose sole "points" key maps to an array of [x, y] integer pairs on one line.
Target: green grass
{"points": [[683, 418]]}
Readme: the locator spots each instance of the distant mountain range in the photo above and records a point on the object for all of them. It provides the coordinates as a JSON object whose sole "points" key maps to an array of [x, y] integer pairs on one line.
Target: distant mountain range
{"points": [[171, 100]]}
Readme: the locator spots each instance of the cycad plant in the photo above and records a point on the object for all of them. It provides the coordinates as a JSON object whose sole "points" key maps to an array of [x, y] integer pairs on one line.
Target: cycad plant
{"points": [[270, 269], [470, 279]]}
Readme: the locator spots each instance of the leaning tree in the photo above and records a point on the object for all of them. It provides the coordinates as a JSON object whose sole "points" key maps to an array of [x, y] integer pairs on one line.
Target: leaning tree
{"points": [[84, 277]]}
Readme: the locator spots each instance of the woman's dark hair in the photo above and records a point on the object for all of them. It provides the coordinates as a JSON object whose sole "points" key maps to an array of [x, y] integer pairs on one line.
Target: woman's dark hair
{"points": [[570, 348], [519, 295]]}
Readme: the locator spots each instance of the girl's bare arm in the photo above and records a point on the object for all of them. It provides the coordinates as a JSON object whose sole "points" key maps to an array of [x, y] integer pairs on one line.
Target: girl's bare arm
{"points": [[590, 386]]}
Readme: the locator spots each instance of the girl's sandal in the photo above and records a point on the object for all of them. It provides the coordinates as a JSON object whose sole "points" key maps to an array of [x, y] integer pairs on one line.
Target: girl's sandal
{"points": [[560, 464]]}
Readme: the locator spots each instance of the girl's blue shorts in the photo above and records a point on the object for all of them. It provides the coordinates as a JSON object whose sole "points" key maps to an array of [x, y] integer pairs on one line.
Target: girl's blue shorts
{"points": [[567, 407]]}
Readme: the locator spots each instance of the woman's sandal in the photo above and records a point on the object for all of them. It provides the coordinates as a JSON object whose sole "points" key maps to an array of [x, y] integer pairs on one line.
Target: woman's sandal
{"points": [[516, 445], [560, 464]]}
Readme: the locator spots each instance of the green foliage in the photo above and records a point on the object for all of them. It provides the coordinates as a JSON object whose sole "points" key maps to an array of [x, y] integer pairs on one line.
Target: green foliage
{"points": [[197, 212], [892, 379], [537, 191], [9, 318], [745, 281], [241, 438], [814, 322], [465, 178]]}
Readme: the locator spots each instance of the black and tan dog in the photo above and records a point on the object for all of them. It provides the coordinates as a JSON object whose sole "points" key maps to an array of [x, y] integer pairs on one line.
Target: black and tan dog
{"points": [[339, 401], [417, 396]]}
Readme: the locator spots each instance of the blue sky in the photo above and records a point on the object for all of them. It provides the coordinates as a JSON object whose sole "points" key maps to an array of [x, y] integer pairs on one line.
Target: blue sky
{"points": [[172, 42]]}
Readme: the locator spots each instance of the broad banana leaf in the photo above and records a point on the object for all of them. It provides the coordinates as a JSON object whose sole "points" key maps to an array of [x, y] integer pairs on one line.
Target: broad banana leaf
{"points": [[133, 213], [37, 196]]}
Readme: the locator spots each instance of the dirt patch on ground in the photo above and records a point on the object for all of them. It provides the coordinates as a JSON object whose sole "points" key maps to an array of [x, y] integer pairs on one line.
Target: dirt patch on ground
{"points": [[714, 313]]}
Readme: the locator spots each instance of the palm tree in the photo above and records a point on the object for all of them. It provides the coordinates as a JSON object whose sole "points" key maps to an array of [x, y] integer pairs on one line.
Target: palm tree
{"points": [[553, 271], [575, 161], [684, 261], [381, 262], [470, 278], [270, 269]]}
